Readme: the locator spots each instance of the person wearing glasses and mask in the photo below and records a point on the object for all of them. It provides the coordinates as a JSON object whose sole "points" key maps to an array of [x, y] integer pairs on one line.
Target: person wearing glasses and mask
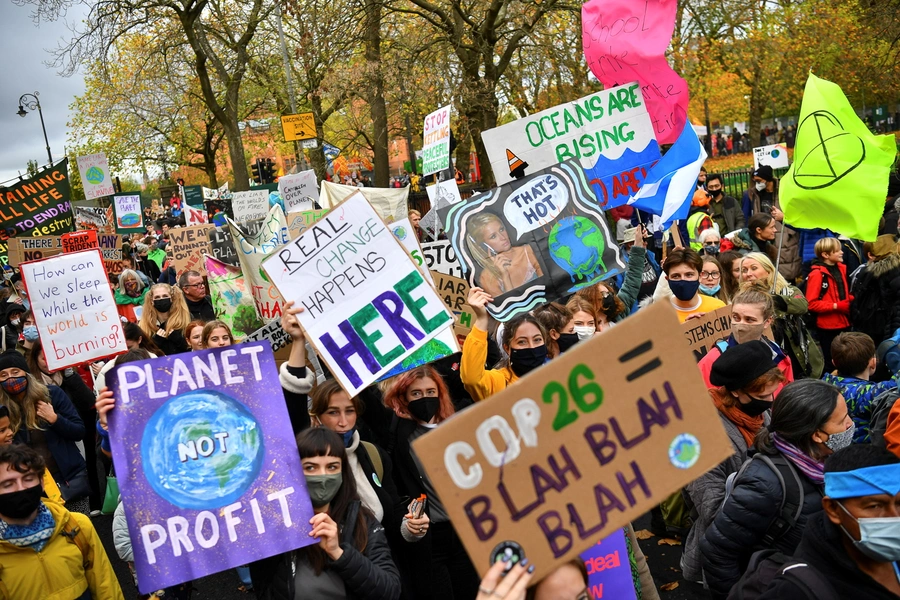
{"points": [[711, 279], [724, 209], [198, 301]]}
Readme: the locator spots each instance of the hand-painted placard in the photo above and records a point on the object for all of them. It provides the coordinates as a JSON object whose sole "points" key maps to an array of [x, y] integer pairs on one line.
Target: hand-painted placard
{"points": [[95, 178], [298, 222], [208, 468], [775, 156], [78, 241], [578, 448], [406, 235], [231, 298], [389, 203], [702, 333], [249, 206], [368, 307], [441, 257], [74, 308], [252, 250], [299, 191], [608, 132], [188, 245], [195, 216], [436, 141], [609, 568], [533, 241], [222, 246], [454, 292], [440, 195], [127, 208]]}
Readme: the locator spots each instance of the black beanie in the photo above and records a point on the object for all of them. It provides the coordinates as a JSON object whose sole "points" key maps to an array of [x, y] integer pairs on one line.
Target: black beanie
{"points": [[765, 171], [739, 365], [12, 359]]}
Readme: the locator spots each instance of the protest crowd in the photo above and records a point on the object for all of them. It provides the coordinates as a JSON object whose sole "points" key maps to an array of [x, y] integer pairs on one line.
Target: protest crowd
{"points": [[327, 392]]}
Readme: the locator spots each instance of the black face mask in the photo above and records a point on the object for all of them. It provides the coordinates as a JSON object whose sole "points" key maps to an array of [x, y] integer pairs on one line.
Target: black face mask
{"points": [[755, 407], [424, 409], [163, 304], [609, 305], [566, 341], [21, 504], [715, 193], [524, 360]]}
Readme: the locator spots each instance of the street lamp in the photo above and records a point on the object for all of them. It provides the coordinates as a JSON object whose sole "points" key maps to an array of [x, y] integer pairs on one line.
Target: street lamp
{"points": [[31, 102]]}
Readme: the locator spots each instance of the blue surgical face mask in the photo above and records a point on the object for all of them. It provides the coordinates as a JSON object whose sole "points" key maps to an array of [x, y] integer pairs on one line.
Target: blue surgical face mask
{"points": [[31, 333], [710, 291], [348, 437], [879, 539]]}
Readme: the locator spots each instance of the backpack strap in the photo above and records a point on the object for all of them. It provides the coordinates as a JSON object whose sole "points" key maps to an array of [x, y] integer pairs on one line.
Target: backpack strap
{"points": [[791, 497], [810, 580], [375, 457], [75, 534]]}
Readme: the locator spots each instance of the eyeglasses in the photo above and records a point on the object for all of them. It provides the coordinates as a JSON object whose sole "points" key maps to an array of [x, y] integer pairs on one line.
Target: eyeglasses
{"points": [[194, 285], [708, 275]]}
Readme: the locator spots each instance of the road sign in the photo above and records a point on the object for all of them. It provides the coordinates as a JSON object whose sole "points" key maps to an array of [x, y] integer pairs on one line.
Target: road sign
{"points": [[298, 127]]}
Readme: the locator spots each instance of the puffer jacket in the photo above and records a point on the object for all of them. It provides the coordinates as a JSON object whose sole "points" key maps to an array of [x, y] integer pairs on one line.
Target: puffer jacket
{"points": [[887, 272], [60, 564], [62, 435], [482, 383], [370, 574], [822, 294], [739, 527]]}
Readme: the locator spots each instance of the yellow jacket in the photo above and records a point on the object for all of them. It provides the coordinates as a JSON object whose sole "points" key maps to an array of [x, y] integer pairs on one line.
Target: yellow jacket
{"points": [[59, 572], [51, 489], [479, 382]]}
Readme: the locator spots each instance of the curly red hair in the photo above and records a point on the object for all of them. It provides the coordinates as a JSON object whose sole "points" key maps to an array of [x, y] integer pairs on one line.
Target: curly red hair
{"points": [[395, 397]]}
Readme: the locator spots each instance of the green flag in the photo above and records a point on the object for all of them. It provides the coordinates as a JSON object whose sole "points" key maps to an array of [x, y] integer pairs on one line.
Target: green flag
{"points": [[839, 178]]}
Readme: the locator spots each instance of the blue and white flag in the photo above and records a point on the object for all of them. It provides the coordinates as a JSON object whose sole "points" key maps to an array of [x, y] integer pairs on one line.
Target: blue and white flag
{"points": [[669, 187]]}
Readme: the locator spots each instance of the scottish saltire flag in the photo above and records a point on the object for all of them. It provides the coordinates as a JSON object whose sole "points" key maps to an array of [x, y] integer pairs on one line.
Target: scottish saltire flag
{"points": [[669, 187]]}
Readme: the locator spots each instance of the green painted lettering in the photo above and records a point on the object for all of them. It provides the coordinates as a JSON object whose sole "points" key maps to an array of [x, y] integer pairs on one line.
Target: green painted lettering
{"points": [[584, 112], [404, 289], [358, 321], [533, 129], [597, 106]]}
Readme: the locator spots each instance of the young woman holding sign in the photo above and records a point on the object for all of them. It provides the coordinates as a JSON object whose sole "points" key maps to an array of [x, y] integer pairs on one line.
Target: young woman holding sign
{"points": [[164, 318]]}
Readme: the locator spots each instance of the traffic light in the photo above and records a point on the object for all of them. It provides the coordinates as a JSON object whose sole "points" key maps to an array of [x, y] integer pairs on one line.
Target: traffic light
{"points": [[267, 170], [257, 176]]}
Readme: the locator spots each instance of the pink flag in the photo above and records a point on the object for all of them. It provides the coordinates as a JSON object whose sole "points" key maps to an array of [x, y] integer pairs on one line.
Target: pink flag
{"points": [[626, 41]]}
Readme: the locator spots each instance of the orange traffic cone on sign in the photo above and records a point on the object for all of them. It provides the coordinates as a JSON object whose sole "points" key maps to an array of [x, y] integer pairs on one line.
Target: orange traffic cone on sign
{"points": [[517, 166]]}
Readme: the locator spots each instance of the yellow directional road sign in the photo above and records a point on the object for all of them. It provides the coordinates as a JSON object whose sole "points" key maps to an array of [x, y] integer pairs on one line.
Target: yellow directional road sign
{"points": [[298, 127]]}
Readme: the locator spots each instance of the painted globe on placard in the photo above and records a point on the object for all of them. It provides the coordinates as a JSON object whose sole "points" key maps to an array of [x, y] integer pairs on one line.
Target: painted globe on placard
{"points": [[187, 464], [577, 245], [94, 175]]}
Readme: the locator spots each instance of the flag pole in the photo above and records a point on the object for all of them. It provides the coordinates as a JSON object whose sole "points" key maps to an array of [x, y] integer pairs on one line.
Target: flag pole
{"points": [[778, 256]]}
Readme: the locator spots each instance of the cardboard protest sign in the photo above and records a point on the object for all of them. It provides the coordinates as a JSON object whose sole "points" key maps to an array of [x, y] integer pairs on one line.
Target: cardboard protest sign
{"points": [[222, 246], [208, 468], [230, 297], [621, 422], [74, 309], [111, 247], [299, 191], [406, 235], [249, 206], [79, 240], [609, 569], [34, 248], [188, 245], [389, 203], [440, 195], [775, 155], [298, 222], [369, 310], [436, 141], [454, 292], [441, 257], [702, 333], [641, 31], [195, 216], [251, 251], [533, 241], [38, 205], [93, 217], [127, 208], [95, 178], [608, 132]]}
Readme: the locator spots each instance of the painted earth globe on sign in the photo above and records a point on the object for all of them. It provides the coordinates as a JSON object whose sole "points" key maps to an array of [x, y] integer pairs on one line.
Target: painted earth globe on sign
{"points": [[202, 450], [577, 245], [94, 175]]}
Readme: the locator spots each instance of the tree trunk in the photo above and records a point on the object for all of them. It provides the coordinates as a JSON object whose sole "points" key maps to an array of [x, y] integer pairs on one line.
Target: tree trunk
{"points": [[317, 155], [482, 115], [757, 102], [463, 146], [375, 91]]}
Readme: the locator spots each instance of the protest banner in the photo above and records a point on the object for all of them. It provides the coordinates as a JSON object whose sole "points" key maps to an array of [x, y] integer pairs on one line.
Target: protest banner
{"points": [[608, 132], [364, 320], [436, 141], [441, 257], [298, 222], [608, 568], [38, 205], [209, 470], [192, 196], [389, 203], [231, 300], [188, 245], [252, 250], [249, 206], [299, 191], [34, 248], [533, 241], [74, 309], [93, 217], [79, 240], [775, 156], [210, 193], [641, 31], [127, 209], [454, 292], [195, 216], [406, 235], [703, 332], [111, 247], [95, 178], [440, 195], [623, 421], [222, 246]]}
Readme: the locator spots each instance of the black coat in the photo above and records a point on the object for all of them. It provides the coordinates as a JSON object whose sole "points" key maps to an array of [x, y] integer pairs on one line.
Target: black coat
{"points": [[739, 527], [174, 343], [61, 435], [391, 504], [202, 310], [370, 574], [822, 548]]}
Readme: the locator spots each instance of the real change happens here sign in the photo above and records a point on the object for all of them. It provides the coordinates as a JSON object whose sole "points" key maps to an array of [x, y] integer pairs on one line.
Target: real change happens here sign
{"points": [[367, 306], [213, 476], [579, 447]]}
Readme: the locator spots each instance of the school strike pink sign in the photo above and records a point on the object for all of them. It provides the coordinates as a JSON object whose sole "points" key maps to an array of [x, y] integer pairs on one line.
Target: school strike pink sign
{"points": [[626, 41]]}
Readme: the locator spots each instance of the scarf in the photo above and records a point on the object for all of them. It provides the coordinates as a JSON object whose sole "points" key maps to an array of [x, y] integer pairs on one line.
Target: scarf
{"points": [[35, 535], [52, 379], [835, 272], [747, 425], [813, 469]]}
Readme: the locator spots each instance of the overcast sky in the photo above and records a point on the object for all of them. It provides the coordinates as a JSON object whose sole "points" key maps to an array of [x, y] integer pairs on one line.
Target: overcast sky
{"points": [[24, 48]]}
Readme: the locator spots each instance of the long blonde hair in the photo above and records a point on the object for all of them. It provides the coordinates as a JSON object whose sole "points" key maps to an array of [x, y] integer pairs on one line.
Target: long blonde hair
{"points": [[24, 412], [774, 278], [474, 226], [179, 314]]}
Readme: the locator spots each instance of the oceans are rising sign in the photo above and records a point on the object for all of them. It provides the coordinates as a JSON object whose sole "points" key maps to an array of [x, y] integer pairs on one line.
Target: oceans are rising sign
{"points": [[578, 448], [207, 464], [367, 307]]}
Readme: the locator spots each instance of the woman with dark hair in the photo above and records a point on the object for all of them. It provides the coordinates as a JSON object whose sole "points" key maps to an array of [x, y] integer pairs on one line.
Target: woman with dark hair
{"points": [[352, 559], [711, 279], [758, 236], [559, 325], [730, 267], [809, 422]]}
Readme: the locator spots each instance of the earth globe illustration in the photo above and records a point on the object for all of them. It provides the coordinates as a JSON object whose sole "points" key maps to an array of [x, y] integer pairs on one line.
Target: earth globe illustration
{"points": [[94, 175], [202, 450], [576, 245]]}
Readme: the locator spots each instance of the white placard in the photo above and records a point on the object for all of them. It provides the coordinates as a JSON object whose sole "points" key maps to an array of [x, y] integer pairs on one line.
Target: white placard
{"points": [[250, 206], [299, 191], [404, 232], [195, 216], [436, 142], [94, 171], [775, 156], [74, 308], [440, 257]]}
